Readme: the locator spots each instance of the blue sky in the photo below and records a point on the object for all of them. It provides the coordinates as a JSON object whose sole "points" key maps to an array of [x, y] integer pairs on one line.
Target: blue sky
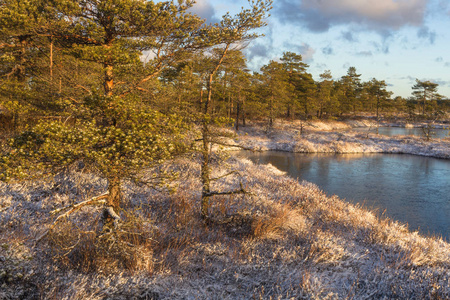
{"points": [[392, 40]]}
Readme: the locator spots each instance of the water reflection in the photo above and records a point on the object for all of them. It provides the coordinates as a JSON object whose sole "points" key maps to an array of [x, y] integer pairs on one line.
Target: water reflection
{"points": [[412, 189]]}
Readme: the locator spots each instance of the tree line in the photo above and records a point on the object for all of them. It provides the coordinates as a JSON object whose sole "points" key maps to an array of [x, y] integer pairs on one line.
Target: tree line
{"points": [[118, 85]]}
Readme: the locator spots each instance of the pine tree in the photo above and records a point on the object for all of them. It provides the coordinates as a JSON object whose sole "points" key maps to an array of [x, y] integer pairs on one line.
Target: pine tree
{"points": [[113, 130], [424, 91], [351, 85], [275, 89], [232, 30]]}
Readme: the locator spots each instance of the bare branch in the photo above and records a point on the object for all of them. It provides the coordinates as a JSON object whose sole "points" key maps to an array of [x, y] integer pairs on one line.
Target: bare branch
{"points": [[228, 174], [241, 190], [72, 208], [230, 145]]}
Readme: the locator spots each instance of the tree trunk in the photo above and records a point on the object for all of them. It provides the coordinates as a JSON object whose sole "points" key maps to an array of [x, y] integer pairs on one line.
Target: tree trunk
{"points": [[378, 105], [201, 98], [114, 197], [205, 174], [110, 216], [230, 107], [51, 61], [238, 107], [271, 112], [205, 168], [243, 111], [109, 80]]}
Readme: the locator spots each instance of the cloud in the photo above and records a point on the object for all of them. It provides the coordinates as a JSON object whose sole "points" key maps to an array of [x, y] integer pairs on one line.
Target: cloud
{"points": [[307, 52], [447, 64], [346, 65], [321, 67], [365, 53], [257, 50], [205, 10], [442, 82], [304, 49], [439, 59], [328, 50], [444, 6], [378, 15], [349, 36], [381, 48], [425, 33]]}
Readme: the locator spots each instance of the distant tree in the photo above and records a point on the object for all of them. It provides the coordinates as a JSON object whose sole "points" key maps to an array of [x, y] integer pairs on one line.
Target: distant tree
{"points": [[237, 83], [377, 91], [351, 85], [301, 82], [326, 101], [275, 89], [424, 91]]}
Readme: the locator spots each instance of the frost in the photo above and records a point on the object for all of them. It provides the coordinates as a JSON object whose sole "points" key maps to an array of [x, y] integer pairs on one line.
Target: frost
{"points": [[285, 240]]}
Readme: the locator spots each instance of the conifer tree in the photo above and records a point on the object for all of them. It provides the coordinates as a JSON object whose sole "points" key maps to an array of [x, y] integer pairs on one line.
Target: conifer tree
{"points": [[424, 91], [113, 129], [327, 103], [275, 89], [351, 84], [24, 52], [232, 31]]}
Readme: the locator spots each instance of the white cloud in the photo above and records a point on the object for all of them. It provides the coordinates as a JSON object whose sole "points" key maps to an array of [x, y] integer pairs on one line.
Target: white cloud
{"points": [[307, 52], [320, 15], [204, 9]]}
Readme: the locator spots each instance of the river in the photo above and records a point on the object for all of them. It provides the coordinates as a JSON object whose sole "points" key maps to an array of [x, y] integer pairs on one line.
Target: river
{"points": [[410, 189]]}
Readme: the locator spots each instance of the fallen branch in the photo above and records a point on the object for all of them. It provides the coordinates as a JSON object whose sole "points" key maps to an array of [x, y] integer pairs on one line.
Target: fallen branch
{"points": [[241, 190], [73, 208]]}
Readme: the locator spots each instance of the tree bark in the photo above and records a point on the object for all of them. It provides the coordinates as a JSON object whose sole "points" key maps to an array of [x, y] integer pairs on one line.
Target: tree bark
{"points": [[110, 216], [109, 80], [243, 111], [114, 196], [271, 112], [238, 111], [205, 167]]}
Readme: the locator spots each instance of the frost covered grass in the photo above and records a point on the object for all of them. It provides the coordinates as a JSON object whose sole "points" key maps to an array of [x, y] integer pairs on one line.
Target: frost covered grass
{"points": [[336, 137], [286, 239]]}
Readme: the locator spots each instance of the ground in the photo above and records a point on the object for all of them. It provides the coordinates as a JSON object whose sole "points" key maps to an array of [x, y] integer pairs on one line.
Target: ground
{"points": [[283, 240]]}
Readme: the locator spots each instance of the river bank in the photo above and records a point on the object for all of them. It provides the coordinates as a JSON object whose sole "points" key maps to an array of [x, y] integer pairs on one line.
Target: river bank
{"points": [[336, 137]]}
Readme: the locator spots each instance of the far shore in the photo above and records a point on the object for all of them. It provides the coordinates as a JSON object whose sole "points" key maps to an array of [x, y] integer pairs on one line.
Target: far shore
{"points": [[337, 137]]}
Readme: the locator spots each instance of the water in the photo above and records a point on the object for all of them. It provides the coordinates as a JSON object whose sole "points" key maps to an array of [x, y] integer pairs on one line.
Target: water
{"points": [[392, 131], [410, 189]]}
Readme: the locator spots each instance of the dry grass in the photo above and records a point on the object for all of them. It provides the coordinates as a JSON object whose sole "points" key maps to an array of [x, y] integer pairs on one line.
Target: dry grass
{"points": [[87, 249], [286, 240]]}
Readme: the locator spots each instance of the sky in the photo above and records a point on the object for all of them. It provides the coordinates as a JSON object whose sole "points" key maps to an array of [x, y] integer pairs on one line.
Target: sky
{"points": [[398, 41]]}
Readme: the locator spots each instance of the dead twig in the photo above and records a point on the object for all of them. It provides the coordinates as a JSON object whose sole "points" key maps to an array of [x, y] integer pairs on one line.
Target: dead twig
{"points": [[241, 190]]}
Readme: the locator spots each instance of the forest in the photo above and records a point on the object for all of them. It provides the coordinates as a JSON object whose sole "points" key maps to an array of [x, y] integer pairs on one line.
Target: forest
{"points": [[120, 87]]}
